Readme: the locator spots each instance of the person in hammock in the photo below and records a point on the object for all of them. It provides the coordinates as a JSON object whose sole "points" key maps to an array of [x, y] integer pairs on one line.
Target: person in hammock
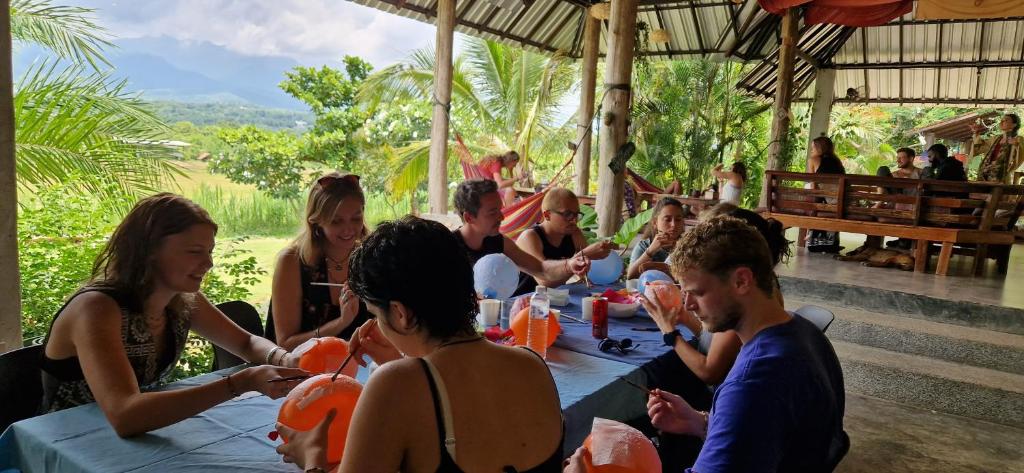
{"points": [[491, 165]]}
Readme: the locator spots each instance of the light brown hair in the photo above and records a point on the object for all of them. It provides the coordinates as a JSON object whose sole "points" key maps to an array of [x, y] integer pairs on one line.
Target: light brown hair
{"points": [[721, 244], [652, 227], [324, 198]]}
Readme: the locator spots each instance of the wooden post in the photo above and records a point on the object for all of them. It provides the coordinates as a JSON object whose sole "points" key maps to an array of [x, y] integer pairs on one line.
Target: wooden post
{"points": [[10, 283], [591, 38], [783, 92], [437, 184], [821, 110], [615, 113]]}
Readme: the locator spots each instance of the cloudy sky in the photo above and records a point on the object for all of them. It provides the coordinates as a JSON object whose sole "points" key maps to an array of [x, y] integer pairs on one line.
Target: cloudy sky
{"points": [[309, 31]]}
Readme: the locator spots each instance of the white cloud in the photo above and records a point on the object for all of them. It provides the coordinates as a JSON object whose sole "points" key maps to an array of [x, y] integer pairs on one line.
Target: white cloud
{"points": [[310, 31]]}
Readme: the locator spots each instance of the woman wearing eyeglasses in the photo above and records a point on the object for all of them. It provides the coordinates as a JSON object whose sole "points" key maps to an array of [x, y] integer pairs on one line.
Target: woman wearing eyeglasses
{"points": [[557, 237], [332, 227]]}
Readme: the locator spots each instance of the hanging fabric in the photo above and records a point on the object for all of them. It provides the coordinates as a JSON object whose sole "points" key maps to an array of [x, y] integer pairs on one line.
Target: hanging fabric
{"points": [[856, 13], [967, 9]]}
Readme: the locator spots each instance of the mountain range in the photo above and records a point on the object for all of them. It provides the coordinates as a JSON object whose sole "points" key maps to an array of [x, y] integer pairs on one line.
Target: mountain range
{"points": [[165, 68]]}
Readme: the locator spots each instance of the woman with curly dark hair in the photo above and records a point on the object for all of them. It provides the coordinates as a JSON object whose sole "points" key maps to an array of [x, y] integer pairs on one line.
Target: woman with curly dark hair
{"points": [[441, 386]]}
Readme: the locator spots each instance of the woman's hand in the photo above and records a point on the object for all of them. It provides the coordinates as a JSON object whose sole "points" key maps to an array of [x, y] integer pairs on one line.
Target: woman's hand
{"points": [[670, 413], [308, 448], [977, 128], [579, 462], [665, 318], [349, 304], [289, 360], [369, 340], [257, 378]]}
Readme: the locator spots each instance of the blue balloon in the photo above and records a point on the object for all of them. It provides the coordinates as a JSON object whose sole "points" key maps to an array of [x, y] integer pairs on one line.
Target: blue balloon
{"points": [[606, 271], [495, 276], [652, 275]]}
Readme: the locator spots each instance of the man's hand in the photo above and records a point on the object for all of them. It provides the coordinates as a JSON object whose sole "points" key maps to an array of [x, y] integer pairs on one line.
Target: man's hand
{"points": [[664, 317], [579, 264], [670, 413], [600, 249], [579, 462]]}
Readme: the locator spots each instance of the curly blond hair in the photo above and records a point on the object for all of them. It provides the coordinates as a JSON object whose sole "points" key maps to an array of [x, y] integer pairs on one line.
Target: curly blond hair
{"points": [[721, 244]]}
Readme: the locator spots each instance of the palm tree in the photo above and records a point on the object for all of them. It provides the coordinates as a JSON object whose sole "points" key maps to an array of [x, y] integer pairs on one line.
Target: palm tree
{"points": [[502, 98], [75, 124]]}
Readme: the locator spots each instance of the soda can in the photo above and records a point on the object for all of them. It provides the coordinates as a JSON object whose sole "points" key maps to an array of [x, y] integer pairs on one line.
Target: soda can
{"points": [[599, 327]]}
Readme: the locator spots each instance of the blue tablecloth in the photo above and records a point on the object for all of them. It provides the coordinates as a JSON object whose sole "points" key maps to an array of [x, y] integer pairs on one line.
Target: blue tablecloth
{"points": [[233, 436], [640, 329]]}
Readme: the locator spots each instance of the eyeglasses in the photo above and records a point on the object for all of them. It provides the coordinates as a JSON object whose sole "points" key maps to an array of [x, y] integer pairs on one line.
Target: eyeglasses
{"points": [[330, 180], [624, 346], [568, 214]]}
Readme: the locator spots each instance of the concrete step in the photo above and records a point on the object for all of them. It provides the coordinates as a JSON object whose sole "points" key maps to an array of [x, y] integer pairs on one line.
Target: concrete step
{"points": [[953, 343], [938, 385], [906, 304]]}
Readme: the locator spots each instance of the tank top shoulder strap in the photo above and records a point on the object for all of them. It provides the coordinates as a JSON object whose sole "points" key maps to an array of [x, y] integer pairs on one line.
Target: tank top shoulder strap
{"points": [[442, 412], [111, 292]]}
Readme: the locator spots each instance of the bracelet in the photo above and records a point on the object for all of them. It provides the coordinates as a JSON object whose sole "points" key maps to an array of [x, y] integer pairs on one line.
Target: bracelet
{"points": [[270, 354], [231, 386], [704, 415]]}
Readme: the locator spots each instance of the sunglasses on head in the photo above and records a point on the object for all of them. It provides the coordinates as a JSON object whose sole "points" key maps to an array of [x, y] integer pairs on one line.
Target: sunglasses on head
{"points": [[328, 181], [623, 346]]}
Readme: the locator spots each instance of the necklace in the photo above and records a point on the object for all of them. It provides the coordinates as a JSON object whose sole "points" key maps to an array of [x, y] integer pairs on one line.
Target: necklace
{"points": [[456, 342], [338, 265]]}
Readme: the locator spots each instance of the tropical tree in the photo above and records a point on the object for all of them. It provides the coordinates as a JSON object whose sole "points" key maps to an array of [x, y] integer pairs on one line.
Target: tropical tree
{"points": [[75, 124], [502, 98]]}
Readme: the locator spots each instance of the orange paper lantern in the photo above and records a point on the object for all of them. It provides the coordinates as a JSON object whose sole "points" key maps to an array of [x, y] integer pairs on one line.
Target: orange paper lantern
{"points": [[325, 355], [618, 448], [667, 294], [307, 405], [521, 322]]}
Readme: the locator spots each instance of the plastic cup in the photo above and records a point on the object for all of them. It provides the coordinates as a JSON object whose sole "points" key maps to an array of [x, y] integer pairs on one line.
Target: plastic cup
{"points": [[633, 284], [588, 308], [490, 311]]}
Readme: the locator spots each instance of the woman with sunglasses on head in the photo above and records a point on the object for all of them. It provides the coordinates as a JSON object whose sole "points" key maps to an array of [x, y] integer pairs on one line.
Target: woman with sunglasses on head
{"points": [[557, 237], [332, 227], [455, 402], [120, 335]]}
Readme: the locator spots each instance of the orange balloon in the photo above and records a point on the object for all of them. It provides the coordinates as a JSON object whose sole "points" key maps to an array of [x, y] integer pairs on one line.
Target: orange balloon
{"points": [[522, 320], [618, 448], [307, 405], [667, 294], [325, 355]]}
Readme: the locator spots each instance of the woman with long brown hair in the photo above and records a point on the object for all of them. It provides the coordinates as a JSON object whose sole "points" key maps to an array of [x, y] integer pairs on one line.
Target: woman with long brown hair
{"points": [[659, 237], [332, 227], [123, 332]]}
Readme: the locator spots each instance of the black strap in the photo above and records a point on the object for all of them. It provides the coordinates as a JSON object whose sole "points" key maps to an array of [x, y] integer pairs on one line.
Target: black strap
{"points": [[437, 406]]}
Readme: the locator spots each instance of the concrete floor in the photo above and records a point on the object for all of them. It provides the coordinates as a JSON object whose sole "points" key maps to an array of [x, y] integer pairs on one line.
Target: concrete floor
{"points": [[992, 288], [894, 438]]}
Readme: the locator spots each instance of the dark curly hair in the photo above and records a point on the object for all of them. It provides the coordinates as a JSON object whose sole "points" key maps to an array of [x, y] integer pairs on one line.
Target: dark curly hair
{"points": [[469, 192], [419, 263]]}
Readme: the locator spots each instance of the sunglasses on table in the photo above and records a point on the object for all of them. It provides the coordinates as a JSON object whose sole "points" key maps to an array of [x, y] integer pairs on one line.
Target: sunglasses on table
{"points": [[568, 214], [623, 346]]}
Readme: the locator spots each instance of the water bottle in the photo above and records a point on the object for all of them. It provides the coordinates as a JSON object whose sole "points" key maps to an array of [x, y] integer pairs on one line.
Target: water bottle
{"points": [[537, 329]]}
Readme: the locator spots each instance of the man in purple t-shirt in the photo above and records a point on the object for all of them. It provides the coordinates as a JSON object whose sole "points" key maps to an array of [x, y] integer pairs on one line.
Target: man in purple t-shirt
{"points": [[780, 409]]}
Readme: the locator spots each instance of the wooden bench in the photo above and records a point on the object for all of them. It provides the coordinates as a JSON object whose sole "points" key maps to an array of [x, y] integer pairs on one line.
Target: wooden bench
{"points": [[966, 217]]}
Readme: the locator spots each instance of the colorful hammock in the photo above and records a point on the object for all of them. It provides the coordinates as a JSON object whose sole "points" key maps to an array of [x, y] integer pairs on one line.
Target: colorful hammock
{"points": [[520, 215], [640, 184]]}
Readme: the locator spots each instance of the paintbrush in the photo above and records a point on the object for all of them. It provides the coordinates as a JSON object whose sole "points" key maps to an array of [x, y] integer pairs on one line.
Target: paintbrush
{"points": [[563, 314], [289, 378], [326, 284], [638, 386], [347, 359]]}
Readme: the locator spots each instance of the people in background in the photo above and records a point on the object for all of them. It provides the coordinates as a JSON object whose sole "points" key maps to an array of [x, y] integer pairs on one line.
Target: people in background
{"points": [[732, 181], [659, 236], [905, 168], [479, 206], [823, 160], [122, 333], [492, 165], [557, 237], [454, 401], [781, 406], [332, 227], [942, 166], [1004, 153]]}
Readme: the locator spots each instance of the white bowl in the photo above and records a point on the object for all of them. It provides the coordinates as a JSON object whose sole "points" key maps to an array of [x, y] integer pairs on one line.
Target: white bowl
{"points": [[622, 311], [558, 297]]}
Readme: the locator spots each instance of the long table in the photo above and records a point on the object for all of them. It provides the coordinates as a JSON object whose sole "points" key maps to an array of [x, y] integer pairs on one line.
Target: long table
{"points": [[233, 435]]}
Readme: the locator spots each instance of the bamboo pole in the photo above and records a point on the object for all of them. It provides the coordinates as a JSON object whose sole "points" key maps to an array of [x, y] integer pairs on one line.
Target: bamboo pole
{"points": [[10, 290], [438, 174], [783, 94], [591, 38], [615, 113]]}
